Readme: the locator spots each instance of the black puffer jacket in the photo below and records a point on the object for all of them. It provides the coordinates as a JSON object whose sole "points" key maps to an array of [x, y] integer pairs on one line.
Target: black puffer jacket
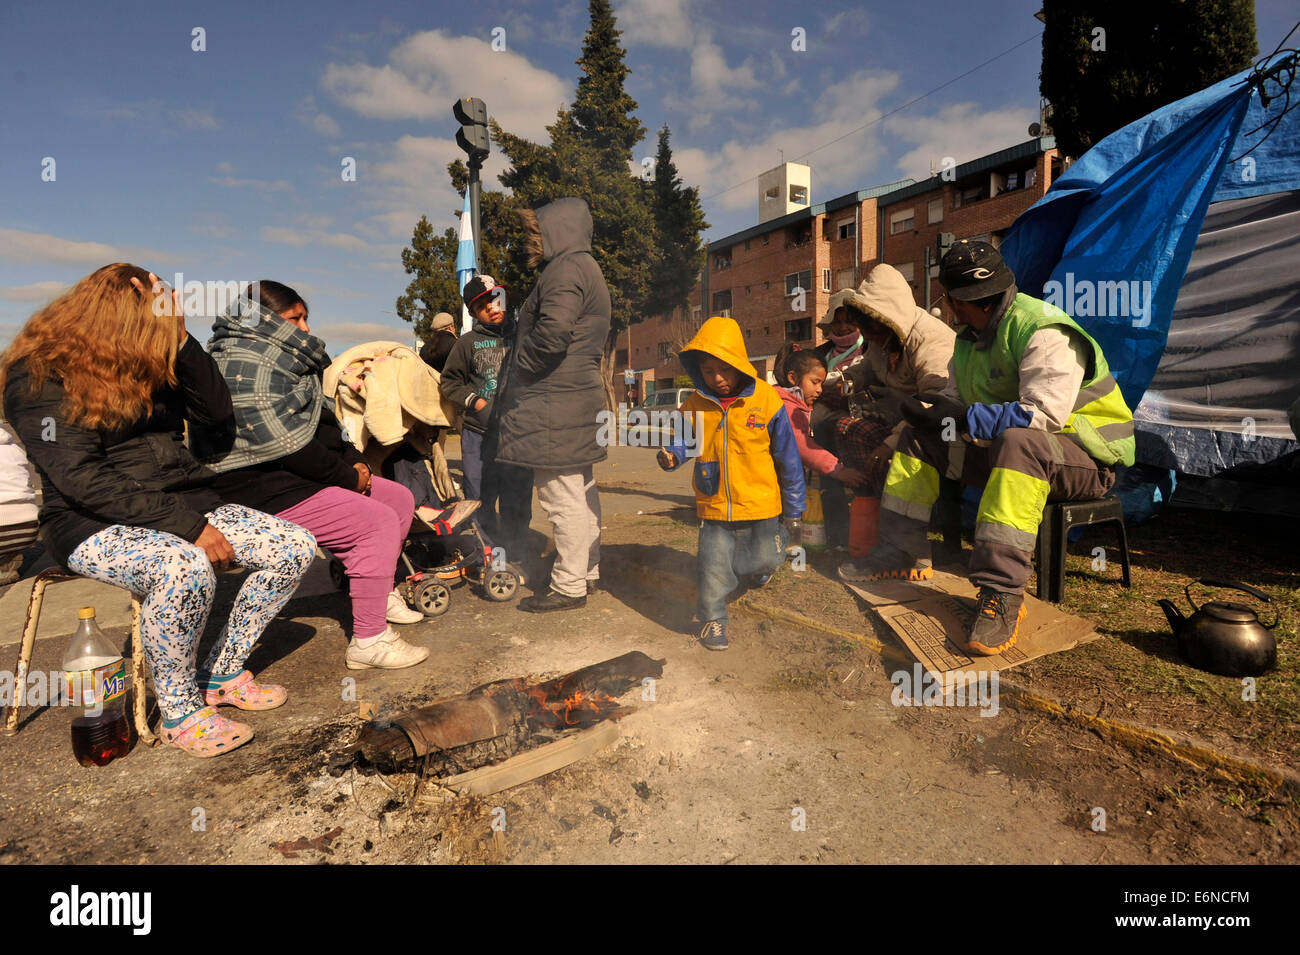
{"points": [[553, 390], [141, 475]]}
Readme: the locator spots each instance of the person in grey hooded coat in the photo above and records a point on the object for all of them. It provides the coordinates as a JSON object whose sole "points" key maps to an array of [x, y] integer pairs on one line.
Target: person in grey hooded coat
{"points": [[553, 393]]}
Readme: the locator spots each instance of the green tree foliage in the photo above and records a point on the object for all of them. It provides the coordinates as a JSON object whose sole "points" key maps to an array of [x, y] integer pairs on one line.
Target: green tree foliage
{"points": [[678, 221], [1148, 55], [590, 156], [431, 261]]}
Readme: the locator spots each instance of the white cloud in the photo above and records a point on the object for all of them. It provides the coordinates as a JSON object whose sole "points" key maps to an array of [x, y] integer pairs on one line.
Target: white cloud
{"points": [[298, 238], [35, 292], [19, 246], [224, 178], [655, 23], [844, 156], [964, 131], [427, 72], [308, 115]]}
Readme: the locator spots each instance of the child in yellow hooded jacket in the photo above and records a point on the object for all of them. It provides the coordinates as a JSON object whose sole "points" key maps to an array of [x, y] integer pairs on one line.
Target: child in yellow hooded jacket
{"points": [[749, 485]]}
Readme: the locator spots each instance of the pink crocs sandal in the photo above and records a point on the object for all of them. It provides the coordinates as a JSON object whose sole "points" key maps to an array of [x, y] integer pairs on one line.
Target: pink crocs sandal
{"points": [[206, 733], [243, 693]]}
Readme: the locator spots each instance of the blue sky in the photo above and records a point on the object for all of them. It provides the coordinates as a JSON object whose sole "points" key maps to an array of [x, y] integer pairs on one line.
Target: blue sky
{"points": [[226, 164]]}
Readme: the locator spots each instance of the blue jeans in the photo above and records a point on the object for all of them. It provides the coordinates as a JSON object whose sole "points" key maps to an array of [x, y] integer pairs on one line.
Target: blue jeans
{"points": [[730, 550]]}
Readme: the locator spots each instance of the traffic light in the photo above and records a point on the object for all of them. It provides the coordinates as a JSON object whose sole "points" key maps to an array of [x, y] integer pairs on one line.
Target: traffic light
{"points": [[473, 133]]}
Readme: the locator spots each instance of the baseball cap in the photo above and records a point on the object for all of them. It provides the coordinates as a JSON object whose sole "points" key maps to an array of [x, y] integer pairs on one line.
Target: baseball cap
{"points": [[479, 286], [972, 270]]}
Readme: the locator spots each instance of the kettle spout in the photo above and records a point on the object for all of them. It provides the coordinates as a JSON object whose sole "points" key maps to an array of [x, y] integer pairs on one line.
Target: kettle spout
{"points": [[1176, 618]]}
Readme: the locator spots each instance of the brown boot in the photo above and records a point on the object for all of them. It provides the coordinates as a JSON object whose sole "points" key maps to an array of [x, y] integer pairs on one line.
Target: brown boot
{"points": [[864, 525]]}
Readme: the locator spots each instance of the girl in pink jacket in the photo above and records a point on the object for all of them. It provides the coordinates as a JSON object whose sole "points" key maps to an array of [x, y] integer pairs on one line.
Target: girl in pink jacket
{"points": [[800, 374]]}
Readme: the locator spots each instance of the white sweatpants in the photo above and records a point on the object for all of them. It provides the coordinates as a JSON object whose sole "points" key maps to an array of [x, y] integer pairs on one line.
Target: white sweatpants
{"points": [[572, 504]]}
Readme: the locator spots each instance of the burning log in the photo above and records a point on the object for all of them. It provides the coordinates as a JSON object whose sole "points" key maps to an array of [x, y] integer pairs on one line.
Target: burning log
{"points": [[492, 722]]}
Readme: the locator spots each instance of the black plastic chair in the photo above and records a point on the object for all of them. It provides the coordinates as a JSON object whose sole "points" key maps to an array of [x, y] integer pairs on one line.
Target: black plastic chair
{"points": [[1053, 535]]}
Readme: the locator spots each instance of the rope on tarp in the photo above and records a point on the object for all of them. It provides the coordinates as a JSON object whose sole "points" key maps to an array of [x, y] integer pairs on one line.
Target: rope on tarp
{"points": [[1273, 78]]}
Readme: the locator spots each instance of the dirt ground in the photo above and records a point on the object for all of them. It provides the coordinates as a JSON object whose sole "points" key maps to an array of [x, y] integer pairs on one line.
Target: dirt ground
{"points": [[784, 749]]}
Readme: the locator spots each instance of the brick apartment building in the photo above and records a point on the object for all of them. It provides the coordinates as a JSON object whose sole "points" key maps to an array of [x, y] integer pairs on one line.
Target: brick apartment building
{"points": [[755, 275]]}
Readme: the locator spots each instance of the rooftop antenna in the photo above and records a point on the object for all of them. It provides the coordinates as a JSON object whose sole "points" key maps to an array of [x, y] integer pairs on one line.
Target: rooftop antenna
{"points": [[782, 153]]}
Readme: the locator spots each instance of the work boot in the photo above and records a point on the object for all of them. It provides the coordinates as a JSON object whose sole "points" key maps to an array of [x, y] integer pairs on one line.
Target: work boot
{"points": [[389, 652], [551, 600], [885, 562], [997, 621]]}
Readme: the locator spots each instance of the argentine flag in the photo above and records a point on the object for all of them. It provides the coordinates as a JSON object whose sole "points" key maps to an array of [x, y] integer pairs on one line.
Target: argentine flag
{"points": [[465, 261]]}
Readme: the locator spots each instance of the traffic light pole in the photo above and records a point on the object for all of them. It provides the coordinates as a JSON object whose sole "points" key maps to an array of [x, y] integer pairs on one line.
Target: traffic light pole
{"points": [[475, 164]]}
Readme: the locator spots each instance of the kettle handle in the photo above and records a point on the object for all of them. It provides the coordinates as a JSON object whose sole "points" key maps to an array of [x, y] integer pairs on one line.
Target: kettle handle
{"points": [[1234, 585]]}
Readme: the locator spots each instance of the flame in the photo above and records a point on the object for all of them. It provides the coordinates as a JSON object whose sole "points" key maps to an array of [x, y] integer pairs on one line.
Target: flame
{"points": [[580, 709]]}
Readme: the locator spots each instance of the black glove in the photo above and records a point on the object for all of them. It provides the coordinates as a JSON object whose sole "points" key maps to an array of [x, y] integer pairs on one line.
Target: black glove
{"points": [[932, 418]]}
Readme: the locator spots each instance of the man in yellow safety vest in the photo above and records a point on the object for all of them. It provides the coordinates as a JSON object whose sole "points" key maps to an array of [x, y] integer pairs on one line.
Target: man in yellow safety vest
{"points": [[1031, 414]]}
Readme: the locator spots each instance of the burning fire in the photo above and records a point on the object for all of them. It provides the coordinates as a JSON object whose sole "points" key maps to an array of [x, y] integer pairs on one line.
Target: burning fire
{"points": [[581, 709]]}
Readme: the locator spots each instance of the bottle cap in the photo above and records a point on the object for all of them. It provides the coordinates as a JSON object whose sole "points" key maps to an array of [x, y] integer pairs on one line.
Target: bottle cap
{"points": [[86, 613]]}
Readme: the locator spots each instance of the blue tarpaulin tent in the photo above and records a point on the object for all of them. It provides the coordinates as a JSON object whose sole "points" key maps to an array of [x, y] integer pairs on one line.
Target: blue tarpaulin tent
{"points": [[1175, 242]]}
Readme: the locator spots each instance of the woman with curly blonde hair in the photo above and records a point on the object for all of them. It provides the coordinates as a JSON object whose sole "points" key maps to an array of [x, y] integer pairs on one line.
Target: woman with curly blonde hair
{"points": [[99, 385]]}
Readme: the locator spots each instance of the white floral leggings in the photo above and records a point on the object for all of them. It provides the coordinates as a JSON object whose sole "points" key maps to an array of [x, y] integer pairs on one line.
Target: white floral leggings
{"points": [[176, 583]]}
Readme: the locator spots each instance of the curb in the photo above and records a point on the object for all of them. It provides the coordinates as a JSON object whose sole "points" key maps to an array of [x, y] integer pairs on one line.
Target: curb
{"points": [[1179, 746]]}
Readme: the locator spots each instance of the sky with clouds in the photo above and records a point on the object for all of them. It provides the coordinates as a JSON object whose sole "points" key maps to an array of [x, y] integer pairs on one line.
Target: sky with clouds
{"points": [[226, 164]]}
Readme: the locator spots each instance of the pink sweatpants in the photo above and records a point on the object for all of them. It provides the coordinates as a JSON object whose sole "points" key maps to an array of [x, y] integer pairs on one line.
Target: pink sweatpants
{"points": [[365, 532]]}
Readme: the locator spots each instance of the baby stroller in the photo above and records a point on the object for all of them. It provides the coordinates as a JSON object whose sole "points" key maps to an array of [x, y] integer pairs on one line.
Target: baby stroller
{"points": [[440, 553]]}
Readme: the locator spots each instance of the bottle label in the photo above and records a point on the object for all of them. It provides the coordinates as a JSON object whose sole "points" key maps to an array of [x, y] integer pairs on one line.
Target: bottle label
{"points": [[95, 687]]}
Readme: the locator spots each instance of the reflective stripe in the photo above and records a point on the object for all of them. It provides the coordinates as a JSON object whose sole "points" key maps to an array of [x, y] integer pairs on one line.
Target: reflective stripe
{"points": [[1013, 500], [1116, 431], [1001, 534], [912, 509], [1097, 390], [956, 460]]}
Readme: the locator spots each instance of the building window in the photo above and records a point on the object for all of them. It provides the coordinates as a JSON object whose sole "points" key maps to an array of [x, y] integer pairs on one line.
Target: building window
{"points": [[665, 351], [935, 210], [798, 330], [908, 271], [746, 289], [722, 303], [771, 195], [799, 195], [746, 245], [766, 237], [826, 280], [722, 261], [846, 229], [798, 280], [903, 221], [695, 315]]}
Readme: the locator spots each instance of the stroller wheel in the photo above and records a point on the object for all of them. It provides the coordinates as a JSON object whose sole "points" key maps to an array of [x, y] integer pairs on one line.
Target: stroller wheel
{"points": [[338, 576], [501, 585], [432, 598]]}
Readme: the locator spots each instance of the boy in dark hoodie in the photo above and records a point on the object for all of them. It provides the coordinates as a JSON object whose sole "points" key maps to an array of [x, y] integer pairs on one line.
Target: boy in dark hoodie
{"points": [[749, 487], [469, 381]]}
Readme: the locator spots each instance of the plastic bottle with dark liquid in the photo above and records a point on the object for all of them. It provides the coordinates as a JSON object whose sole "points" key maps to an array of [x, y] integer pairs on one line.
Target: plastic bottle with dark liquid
{"points": [[94, 676]]}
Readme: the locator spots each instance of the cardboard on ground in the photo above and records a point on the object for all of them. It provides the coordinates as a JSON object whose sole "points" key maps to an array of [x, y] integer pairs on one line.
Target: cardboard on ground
{"points": [[925, 614]]}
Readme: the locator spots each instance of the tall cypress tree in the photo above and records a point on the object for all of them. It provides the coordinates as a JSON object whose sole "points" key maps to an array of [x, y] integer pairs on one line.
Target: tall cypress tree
{"points": [[679, 220], [1107, 63]]}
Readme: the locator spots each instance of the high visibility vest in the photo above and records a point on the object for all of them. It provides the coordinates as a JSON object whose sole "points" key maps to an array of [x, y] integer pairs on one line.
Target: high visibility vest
{"points": [[1100, 421]]}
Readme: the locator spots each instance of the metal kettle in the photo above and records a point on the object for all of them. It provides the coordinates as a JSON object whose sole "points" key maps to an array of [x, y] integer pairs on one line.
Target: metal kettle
{"points": [[1221, 637]]}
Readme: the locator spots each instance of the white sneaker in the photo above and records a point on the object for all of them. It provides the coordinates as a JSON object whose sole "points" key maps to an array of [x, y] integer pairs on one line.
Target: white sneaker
{"points": [[398, 611], [389, 652]]}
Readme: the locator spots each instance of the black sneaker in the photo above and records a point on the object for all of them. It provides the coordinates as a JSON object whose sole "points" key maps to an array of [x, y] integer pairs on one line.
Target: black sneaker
{"points": [[551, 600], [593, 587], [714, 635], [997, 622]]}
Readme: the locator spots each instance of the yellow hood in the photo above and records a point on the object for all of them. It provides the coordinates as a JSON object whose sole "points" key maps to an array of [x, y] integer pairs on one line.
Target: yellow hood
{"points": [[721, 338]]}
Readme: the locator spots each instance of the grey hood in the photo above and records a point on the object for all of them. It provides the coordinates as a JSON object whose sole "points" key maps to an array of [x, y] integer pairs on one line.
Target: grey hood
{"points": [[566, 227]]}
